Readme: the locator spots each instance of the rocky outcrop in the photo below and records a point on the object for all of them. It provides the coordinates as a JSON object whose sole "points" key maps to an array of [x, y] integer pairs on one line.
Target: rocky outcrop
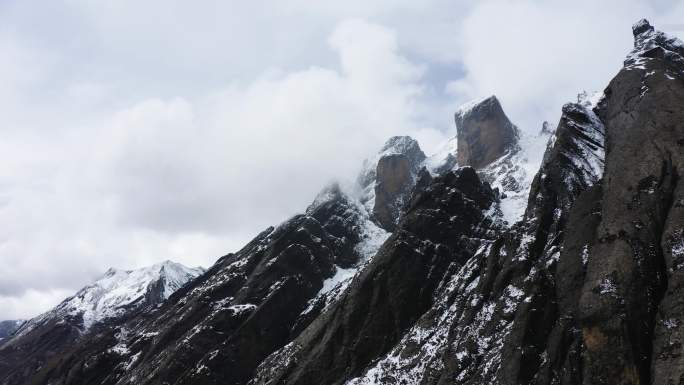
{"points": [[515, 312], [497, 293], [484, 133], [488, 141], [391, 175], [631, 303], [544, 345], [395, 179]]}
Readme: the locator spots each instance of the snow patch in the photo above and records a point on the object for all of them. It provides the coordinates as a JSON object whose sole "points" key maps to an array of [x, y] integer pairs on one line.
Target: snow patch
{"points": [[242, 308], [607, 286], [678, 249], [585, 255]]}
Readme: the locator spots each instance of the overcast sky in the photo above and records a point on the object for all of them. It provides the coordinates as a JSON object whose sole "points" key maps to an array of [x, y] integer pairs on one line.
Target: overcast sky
{"points": [[138, 131]]}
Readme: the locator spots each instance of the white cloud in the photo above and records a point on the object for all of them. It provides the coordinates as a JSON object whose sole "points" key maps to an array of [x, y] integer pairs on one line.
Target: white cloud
{"points": [[251, 154]]}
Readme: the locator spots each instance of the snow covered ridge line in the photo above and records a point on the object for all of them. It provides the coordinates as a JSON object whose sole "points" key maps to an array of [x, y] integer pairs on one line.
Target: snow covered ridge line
{"points": [[646, 38], [117, 292]]}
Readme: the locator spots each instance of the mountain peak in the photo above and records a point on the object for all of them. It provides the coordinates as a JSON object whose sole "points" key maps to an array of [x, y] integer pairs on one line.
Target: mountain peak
{"points": [[395, 145], [477, 104], [641, 26], [650, 43], [400, 145], [485, 133], [118, 291], [388, 177], [330, 193]]}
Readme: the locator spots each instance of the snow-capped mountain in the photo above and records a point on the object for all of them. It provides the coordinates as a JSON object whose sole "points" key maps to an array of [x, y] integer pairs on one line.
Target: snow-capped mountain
{"points": [[485, 263], [117, 295], [117, 292]]}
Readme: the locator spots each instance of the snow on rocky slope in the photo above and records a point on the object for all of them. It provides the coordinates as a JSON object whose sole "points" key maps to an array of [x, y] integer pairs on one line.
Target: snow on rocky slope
{"points": [[117, 292], [371, 236]]}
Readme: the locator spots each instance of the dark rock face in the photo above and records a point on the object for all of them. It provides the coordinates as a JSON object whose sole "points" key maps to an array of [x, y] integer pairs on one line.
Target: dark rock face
{"points": [[394, 182], [495, 295], [544, 345], [484, 133], [19, 360], [392, 177], [572, 162], [404, 145], [631, 303]]}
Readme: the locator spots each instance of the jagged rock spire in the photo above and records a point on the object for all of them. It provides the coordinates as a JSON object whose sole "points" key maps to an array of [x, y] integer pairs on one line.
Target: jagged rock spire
{"points": [[650, 43], [389, 177], [641, 26], [484, 133]]}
